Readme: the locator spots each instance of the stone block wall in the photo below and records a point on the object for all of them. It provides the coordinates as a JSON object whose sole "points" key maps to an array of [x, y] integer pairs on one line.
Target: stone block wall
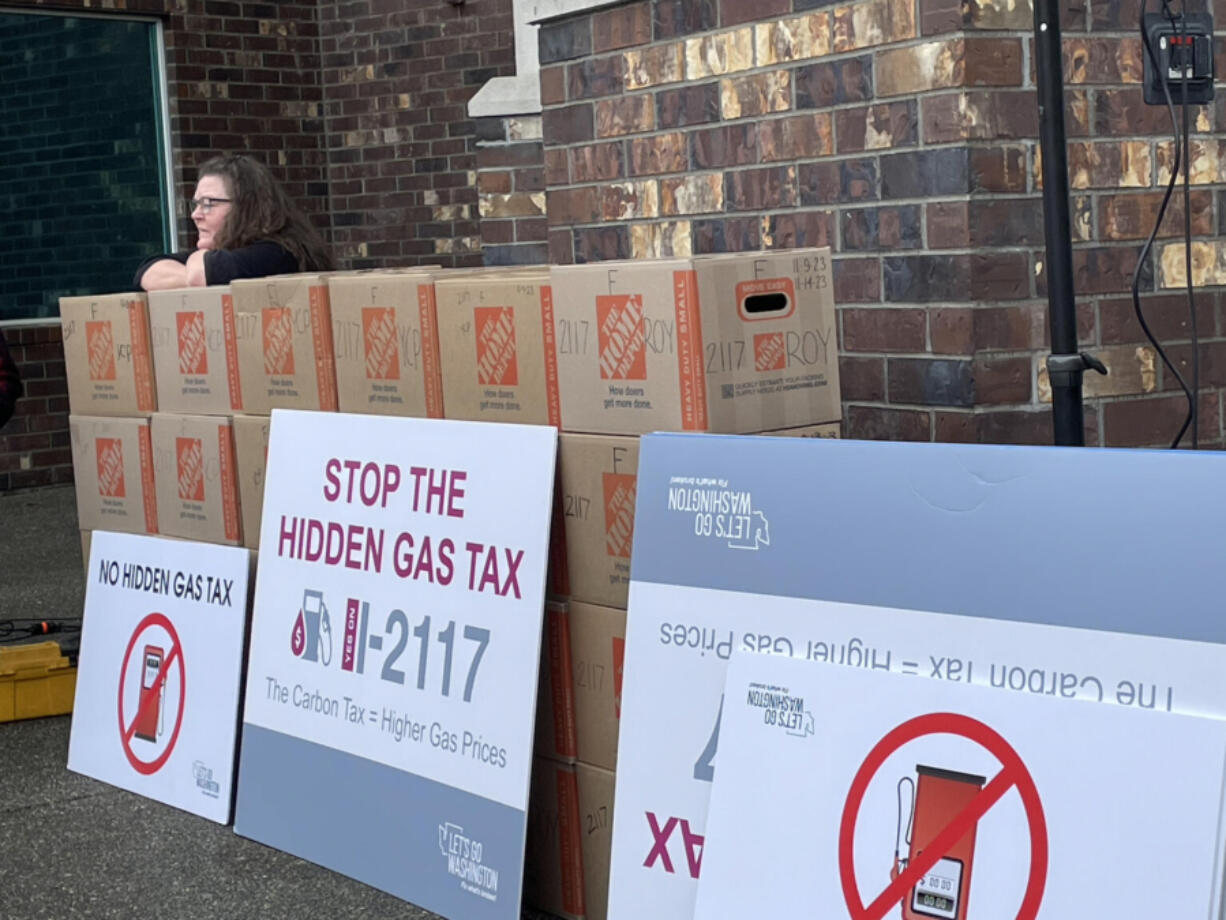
{"points": [[903, 134]]}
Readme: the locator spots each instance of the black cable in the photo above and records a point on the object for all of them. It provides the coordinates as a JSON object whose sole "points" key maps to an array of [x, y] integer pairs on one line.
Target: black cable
{"points": [[1194, 409], [1179, 28], [28, 627], [1149, 243]]}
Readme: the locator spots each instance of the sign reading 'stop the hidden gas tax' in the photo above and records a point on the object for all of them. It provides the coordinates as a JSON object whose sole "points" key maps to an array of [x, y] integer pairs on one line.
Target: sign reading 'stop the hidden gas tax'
{"points": [[394, 649]]}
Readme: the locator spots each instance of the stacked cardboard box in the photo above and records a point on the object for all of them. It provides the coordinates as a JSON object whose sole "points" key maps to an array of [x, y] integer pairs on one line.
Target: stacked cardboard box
{"points": [[738, 344], [111, 397], [742, 343]]}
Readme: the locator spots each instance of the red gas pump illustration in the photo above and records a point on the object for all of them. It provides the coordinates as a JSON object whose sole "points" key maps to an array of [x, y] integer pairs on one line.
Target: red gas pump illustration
{"points": [[311, 637], [149, 719], [937, 797]]}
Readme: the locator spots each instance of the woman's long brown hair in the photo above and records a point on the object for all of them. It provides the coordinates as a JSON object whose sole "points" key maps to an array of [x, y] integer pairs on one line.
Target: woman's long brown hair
{"points": [[260, 210]]}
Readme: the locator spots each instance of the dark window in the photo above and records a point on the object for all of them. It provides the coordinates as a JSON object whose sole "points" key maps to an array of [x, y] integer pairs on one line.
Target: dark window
{"points": [[82, 157]]}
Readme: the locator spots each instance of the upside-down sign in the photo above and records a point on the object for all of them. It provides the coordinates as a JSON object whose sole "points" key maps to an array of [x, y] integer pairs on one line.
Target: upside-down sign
{"points": [[878, 795], [158, 678]]}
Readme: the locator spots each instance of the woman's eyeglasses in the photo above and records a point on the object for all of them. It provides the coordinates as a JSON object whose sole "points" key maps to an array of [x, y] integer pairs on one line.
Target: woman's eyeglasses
{"points": [[206, 204]]}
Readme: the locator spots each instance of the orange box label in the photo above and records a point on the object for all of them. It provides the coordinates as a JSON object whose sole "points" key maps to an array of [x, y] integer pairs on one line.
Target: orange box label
{"points": [[321, 339], [553, 398], [382, 347], [622, 337], [228, 333], [619, 661], [100, 344], [110, 468], [229, 483], [690, 370], [193, 350], [769, 353], [189, 456], [619, 491], [569, 837], [432, 372], [278, 325], [497, 364], [769, 298]]}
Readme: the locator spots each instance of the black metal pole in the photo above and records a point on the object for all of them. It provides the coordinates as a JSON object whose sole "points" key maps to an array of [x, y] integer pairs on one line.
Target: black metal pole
{"points": [[1065, 373]]}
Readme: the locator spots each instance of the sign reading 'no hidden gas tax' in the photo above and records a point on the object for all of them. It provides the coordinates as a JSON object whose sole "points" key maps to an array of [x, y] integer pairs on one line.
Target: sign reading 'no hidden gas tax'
{"points": [[394, 653], [158, 677], [936, 801]]}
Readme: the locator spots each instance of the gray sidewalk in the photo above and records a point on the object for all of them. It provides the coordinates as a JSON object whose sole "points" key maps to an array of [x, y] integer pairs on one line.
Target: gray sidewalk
{"points": [[71, 847]]}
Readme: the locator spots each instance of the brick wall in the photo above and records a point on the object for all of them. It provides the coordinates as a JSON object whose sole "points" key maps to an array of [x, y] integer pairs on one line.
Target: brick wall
{"points": [[402, 151], [511, 190], [34, 446], [902, 133], [358, 107], [89, 184]]}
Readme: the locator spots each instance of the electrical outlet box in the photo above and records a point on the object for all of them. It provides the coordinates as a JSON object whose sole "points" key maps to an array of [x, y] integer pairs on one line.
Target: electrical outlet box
{"points": [[1184, 51]]}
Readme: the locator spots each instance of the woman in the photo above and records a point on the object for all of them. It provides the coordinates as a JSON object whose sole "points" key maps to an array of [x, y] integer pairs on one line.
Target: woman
{"points": [[248, 228]]}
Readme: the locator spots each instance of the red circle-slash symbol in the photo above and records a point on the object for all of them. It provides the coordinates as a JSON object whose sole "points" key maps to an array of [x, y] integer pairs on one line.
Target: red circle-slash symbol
{"points": [[173, 656], [1013, 774]]}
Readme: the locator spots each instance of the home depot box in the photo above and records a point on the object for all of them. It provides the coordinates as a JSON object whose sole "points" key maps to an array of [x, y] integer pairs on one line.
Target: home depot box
{"points": [[597, 481], [385, 337], [596, 818], [738, 343], [553, 862], [597, 476], [598, 643], [106, 354], [250, 461], [197, 490], [555, 695], [112, 464], [195, 351], [496, 345], [285, 356]]}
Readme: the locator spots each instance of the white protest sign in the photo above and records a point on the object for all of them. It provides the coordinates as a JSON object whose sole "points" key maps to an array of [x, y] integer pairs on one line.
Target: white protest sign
{"points": [[394, 652], [919, 559], [863, 795], [156, 707], [666, 764]]}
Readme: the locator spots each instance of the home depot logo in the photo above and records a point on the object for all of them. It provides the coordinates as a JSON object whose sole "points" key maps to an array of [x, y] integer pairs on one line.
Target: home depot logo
{"points": [[189, 454], [100, 345], [382, 348], [193, 353], [496, 361], [278, 341], [769, 352], [110, 468], [622, 339], [618, 513]]}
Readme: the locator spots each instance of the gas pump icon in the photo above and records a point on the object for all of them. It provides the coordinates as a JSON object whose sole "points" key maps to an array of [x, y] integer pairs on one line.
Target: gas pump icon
{"points": [[150, 716], [312, 635], [937, 797]]}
